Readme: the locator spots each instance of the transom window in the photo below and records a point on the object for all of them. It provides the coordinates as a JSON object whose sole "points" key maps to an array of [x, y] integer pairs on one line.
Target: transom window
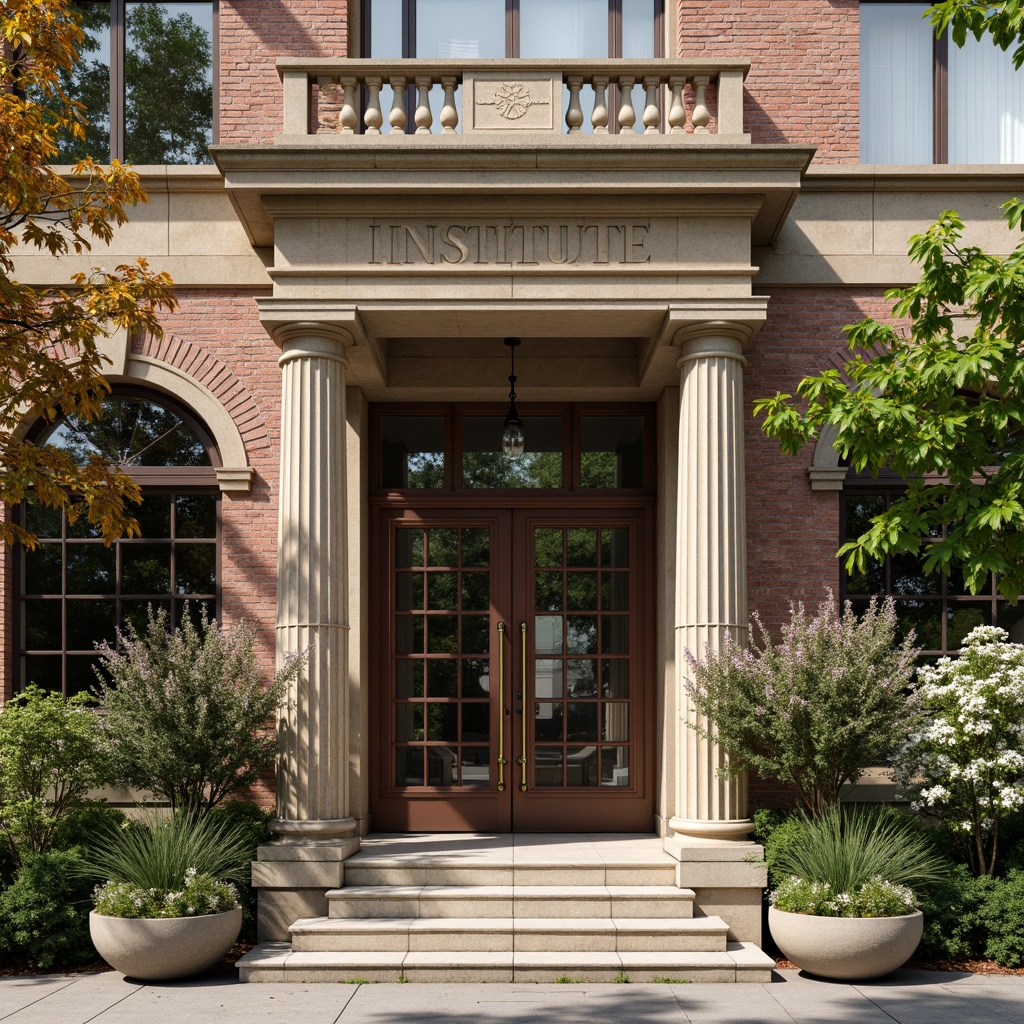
{"points": [[146, 79], [925, 100], [73, 590], [940, 609], [577, 448]]}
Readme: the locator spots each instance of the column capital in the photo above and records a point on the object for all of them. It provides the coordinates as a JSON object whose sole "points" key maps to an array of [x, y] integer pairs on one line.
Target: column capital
{"points": [[311, 339], [715, 339]]}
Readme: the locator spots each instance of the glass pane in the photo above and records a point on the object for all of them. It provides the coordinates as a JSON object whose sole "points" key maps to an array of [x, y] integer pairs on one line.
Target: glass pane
{"points": [[476, 548], [409, 721], [443, 722], [476, 634], [614, 592], [409, 591], [195, 515], [870, 581], [145, 568], [443, 634], [81, 673], [408, 634], [548, 766], [386, 31], [42, 569], [476, 591], [582, 722], [547, 550], [924, 617], [547, 721], [476, 723], [195, 568], [638, 28], [409, 766], [41, 626], [475, 766], [442, 768], [859, 513], [581, 766], [442, 678], [615, 766], [43, 522], [907, 577], [443, 547], [581, 591], [615, 547], [136, 613], [549, 634], [547, 589], [89, 83], [476, 678], [612, 450], [91, 569], [614, 634], [410, 548], [582, 634], [484, 465], [896, 59], [1011, 618], [962, 618], [581, 548], [442, 591], [563, 28], [614, 678], [582, 678], [89, 623], [409, 679], [986, 104], [154, 516], [615, 722], [168, 83], [42, 669], [412, 451], [547, 679], [460, 29]]}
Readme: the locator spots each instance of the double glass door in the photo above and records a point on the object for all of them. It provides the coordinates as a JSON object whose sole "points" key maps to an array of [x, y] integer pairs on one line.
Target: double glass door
{"points": [[511, 689]]}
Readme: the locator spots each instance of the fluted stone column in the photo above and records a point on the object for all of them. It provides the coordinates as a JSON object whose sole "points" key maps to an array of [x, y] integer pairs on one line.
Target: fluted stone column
{"points": [[312, 588], [711, 565]]}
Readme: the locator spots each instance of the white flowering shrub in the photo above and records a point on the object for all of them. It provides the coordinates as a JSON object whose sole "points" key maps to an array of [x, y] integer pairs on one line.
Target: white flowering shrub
{"points": [[875, 898], [965, 766], [200, 894]]}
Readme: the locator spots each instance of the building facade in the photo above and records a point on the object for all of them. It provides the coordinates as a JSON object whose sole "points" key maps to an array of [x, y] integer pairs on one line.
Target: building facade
{"points": [[674, 209]]}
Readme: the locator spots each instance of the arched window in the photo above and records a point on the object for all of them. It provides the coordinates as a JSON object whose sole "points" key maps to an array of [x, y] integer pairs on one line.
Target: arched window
{"points": [[73, 591]]}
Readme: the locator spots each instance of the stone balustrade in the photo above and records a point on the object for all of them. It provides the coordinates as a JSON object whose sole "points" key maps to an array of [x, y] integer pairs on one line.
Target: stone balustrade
{"points": [[694, 100]]}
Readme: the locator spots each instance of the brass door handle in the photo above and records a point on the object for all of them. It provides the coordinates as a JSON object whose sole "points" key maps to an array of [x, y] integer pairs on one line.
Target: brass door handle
{"points": [[522, 759], [502, 760]]}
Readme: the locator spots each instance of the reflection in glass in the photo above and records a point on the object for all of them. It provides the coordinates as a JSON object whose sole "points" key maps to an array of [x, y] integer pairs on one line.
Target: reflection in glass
{"points": [[961, 618], [612, 447], [41, 569], [547, 547], [442, 678], [442, 591], [581, 548], [443, 722], [582, 634], [154, 516], [412, 452], [458, 29], [195, 570], [443, 547], [43, 522], [41, 625], [1011, 618], [476, 678], [563, 28], [409, 591], [476, 547], [547, 766], [547, 589], [43, 670], [581, 766], [582, 722], [91, 570], [484, 465], [547, 721], [409, 721], [907, 577], [81, 673], [547, 679], [614, 677], [195, 515], [409, 634], [443, 634], [442, 769], [581, 591], [476, 591], [924, 617], [145, 568], [409, 679], [614, 592], [614, 634], [582, 678], [615, 766], [89, 622], [548, 630], [859, 513], [409, 766], [476, 722], [476, 634], [615, 547], [409, 552], [615, 722]]}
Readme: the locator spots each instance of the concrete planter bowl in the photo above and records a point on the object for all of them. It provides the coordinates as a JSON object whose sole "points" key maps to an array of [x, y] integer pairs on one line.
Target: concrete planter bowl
{"points": [[157, 949], [846, 948]]}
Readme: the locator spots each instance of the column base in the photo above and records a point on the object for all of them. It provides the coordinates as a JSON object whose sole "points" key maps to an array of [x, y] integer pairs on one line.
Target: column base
{"points": [[306, 832], [711, 833]]}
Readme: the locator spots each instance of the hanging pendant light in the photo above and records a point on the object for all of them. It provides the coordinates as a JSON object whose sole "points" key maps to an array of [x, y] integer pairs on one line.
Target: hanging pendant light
{"points": [[513, 440]]}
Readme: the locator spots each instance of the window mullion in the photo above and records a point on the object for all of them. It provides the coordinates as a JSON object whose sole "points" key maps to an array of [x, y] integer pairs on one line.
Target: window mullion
{"points": [[117, 78], [942, 99]]}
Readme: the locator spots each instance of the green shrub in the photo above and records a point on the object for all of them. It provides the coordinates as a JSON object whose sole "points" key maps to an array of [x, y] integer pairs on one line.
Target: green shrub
{"points": [[254, 823], [44, 913], [51, 755], [199, 895], [813, 709], [187, 710], [953, 924], [777, 831], [1002, 915]]}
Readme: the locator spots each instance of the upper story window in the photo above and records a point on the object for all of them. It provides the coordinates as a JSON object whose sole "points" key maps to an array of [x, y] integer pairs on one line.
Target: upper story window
{"points": [[493, 29], [73, 590], [145, 75], [925, 100]]}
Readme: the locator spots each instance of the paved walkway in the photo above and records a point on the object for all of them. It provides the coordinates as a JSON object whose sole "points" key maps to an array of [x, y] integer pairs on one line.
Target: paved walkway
{"points": [[907, 997]]}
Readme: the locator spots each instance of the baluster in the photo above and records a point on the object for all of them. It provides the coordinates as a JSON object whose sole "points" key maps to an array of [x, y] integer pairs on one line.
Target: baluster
{"points": [[677, 112], [398, 117], [574, 115], [373, 118], [652, 115], [347, 117], [599, 118], [701, 115], [627, 115], [424, 118], [449, 112]]}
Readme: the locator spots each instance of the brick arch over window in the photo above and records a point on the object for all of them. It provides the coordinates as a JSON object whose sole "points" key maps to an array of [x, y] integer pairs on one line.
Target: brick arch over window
{"points": [[825, 472]]}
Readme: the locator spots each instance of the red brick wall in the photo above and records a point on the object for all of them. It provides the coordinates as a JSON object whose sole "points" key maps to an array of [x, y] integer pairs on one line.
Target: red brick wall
{"points": [[252, 34], [792, 531], [804, 58]]}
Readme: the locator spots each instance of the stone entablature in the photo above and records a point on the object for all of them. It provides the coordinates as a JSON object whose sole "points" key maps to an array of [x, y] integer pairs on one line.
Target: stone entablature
{"points": [[694, 100]]}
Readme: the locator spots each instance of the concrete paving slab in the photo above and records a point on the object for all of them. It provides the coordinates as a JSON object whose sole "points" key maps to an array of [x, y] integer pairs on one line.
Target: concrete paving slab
{"points": [[87, 997], [18, 992]]}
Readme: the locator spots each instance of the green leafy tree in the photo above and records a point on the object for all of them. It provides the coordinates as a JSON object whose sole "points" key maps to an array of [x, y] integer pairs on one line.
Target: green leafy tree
{"points": [[1003, 20], [813, 709], [186, 710], [51, 755], [49, 361], [937, 397]]}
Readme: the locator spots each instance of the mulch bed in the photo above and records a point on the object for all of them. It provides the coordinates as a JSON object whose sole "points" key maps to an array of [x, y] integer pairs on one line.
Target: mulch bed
{"points": [[20, 967], [959, 966]]}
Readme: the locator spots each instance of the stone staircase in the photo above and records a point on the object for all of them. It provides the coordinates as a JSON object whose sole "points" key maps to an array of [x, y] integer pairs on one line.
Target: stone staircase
{"points": [[539, 912]]}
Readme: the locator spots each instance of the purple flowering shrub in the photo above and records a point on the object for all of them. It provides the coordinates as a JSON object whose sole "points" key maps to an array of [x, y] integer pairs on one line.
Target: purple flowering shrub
{"points": [[812, 710]]}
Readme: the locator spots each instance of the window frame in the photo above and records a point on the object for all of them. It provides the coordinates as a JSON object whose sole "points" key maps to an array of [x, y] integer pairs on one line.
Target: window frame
{"points": [[118, 99]]}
